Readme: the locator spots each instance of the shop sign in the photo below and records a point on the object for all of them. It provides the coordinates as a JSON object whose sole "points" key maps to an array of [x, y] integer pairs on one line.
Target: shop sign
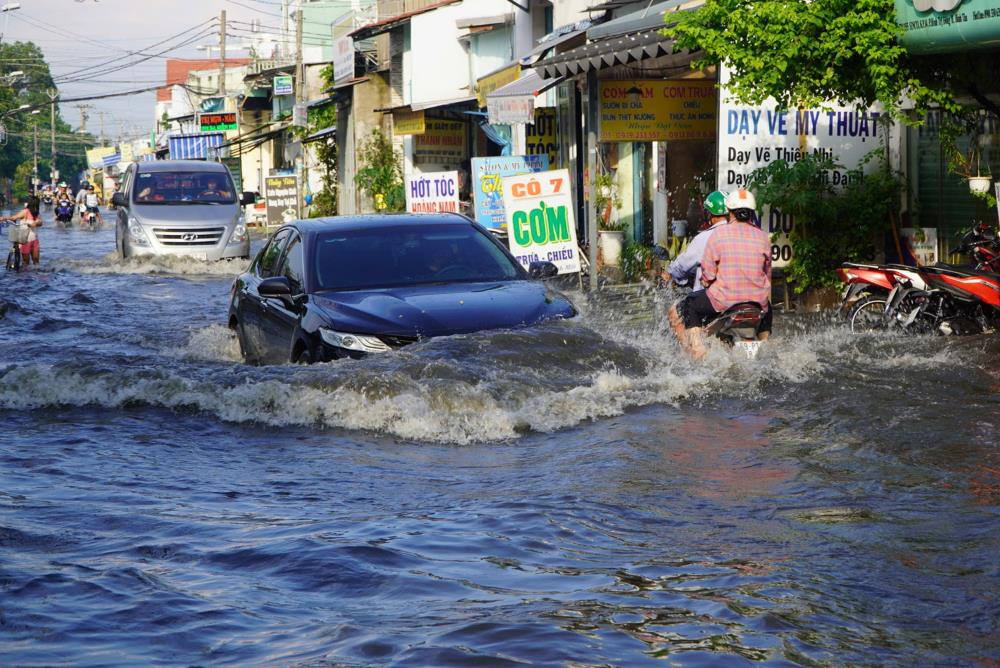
{"points": [[282, 85], [343, 59], [656, 110], [235, 166], [540, 225], [433, 192], [491, 82], [217, 121], [282, 194], [408, 123], [751, 137], [96, 156], [542, 136], [441, 142], [922, 244], [511, 109], [487, 184], [941, 26]]}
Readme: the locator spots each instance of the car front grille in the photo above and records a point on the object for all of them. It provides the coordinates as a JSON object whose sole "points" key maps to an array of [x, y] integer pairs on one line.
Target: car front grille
{"points": [[189, 236], [398, 341]]}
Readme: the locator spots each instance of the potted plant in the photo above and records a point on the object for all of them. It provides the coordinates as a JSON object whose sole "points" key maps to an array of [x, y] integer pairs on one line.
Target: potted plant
{"points": [[610, 230]]}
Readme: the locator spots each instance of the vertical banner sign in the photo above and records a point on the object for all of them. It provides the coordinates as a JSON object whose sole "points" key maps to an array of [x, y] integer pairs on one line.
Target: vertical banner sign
{"points": [[235, 166], [540, 223], [282, 193], [487, 186], [754, 137], [543, 135], [432, 193], [343, 59]]}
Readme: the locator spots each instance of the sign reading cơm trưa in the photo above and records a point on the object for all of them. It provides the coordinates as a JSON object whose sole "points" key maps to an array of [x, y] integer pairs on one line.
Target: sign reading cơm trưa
{"points": [[540, 224]]}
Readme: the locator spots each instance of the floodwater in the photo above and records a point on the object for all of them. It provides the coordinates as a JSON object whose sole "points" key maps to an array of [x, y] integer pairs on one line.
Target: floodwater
{"points": [[574, 495]]}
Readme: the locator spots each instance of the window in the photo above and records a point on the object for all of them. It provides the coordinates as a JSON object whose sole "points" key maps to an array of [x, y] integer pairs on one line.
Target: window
{"points": [[184, 188], [293, 264], [269, 256], [409, 255]]}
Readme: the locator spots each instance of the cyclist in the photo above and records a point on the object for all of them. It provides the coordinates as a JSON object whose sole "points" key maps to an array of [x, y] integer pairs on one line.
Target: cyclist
{"points": [[32, 221]]}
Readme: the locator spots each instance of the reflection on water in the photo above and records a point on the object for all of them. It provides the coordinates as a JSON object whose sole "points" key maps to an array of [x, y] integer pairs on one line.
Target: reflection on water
{"points": [[574, 494]]}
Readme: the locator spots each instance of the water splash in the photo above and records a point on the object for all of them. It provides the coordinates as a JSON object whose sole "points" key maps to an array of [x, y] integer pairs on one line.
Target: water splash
{"points": [[152, 264]]}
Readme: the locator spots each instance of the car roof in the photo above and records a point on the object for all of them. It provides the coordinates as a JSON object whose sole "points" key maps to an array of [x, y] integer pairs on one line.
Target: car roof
{"points": [[373, 221], [180, 166]]}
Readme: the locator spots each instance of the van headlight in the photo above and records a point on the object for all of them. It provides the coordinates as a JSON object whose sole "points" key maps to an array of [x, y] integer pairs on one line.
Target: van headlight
{"points": [[136, 234], [239, 234], [360, 342]]}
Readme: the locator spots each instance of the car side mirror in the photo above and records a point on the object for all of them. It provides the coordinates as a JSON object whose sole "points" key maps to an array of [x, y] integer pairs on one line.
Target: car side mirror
{"points": [[118, 199], [277, 287], [539, 270], [247, 198]]}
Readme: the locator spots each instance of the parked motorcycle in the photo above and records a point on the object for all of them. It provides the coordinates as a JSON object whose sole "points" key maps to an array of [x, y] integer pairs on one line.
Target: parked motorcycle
{"points": [[64, 212]]}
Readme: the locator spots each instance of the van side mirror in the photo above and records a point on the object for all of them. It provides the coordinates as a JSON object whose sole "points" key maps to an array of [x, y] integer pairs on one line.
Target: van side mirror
{"points": [[247, 198], [118, 199], [542, 270]]}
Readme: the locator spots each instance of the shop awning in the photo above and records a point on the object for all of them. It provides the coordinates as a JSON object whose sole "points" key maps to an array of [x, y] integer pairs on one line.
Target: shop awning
{"points": [[436, 104], [611, 52], [515, 102], [254, 103], [556, 38], [194, 147], [640, 21], [320, 134], [529, 84], [385, 25]]}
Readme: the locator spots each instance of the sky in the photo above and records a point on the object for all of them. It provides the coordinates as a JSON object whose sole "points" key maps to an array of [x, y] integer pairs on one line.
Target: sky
{"points": [[94, 38]]}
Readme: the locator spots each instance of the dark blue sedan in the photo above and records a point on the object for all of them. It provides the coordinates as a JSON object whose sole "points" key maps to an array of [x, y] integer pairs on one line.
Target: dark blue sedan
{"points": [[329, 288]]}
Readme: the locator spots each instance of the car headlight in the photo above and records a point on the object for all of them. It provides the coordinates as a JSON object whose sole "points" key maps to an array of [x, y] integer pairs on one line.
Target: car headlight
{"points": [[239, 234], [360, 342], [136, 234]]}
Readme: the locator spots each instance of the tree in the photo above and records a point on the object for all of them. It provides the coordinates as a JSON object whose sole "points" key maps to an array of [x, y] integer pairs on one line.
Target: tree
{"points": [[381, 178], [804, 53]]}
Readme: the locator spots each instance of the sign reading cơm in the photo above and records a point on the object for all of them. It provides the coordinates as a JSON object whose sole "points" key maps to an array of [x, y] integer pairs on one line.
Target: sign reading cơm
{"points": [[656, 110], [540, 224]]}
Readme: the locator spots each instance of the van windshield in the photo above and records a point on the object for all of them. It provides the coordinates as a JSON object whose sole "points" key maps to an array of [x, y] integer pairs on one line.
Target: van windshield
{"points": [[184, 188]]}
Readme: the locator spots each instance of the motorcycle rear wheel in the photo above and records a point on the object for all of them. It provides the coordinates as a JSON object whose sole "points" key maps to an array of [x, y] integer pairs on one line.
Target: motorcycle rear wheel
{"points": [[14, 260], [868, 315]]}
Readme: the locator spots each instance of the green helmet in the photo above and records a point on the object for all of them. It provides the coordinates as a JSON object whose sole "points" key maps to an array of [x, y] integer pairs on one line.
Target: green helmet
{"points": [[715, 203]]}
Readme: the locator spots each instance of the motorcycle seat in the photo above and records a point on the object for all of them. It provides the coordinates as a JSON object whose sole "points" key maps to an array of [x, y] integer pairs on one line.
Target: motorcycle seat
{"points": [[856, 265], [954, 270]]}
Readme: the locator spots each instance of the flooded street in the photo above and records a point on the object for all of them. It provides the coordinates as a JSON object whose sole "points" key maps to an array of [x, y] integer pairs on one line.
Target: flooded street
{"points": [[575, 494]]}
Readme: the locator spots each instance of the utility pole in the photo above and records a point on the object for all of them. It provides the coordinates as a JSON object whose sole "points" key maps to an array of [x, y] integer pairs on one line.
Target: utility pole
{"points": [[53, 172], [299, 109], [222, 57], [83, 108], [100, 115]]}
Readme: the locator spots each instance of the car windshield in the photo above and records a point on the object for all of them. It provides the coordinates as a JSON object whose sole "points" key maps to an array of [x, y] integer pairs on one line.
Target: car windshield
{"points": [[419, 253], [184, 188]]}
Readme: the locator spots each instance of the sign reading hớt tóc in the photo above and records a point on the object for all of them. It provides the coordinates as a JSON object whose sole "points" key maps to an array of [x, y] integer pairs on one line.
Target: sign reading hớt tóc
{"points": [[434, 192], [540, 222]]}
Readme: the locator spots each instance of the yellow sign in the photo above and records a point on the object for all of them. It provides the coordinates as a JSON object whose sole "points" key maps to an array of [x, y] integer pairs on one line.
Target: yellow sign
{"points": [[491, 82], [126, 152], [408, 123], [543, 135], [443, 142], [657, 110]]}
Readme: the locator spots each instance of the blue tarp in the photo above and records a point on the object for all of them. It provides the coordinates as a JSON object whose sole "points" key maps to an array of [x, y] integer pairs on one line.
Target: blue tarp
{"points": [[194, 147], [111, 160]]}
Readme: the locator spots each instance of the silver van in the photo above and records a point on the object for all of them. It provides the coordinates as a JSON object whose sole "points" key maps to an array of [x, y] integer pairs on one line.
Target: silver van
{"points": [[180, 207]]}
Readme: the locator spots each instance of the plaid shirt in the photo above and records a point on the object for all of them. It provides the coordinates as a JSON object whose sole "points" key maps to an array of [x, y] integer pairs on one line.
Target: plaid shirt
{"points": [[736, 266]]}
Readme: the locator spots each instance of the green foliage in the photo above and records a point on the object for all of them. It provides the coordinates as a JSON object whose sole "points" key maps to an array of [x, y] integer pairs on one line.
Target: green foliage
{"points": [[635, 260], [32, 89], [831, 226], [807, 53], [19, 188], [324, 202], [605, 193], [381, 178]]}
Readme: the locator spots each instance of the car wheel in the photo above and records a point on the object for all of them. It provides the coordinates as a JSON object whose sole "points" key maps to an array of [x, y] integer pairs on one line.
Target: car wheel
{"points": [[238, 328], [304, 356]]}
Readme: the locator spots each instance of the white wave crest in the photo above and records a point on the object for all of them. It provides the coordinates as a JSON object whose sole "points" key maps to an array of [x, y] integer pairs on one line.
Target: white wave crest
{"points": [[153, 264]]}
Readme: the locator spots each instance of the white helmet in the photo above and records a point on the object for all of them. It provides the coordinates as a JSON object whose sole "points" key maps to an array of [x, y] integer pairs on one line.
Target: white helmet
{"points": [[741, 199]]}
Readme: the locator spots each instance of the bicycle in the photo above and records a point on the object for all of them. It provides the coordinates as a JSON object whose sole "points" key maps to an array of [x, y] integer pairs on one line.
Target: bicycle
{"points": [[15, 232]]}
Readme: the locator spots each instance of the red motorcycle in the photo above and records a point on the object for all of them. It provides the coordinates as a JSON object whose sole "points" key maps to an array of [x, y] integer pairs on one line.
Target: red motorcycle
{"points": [[868, 283], [955, 301]]}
